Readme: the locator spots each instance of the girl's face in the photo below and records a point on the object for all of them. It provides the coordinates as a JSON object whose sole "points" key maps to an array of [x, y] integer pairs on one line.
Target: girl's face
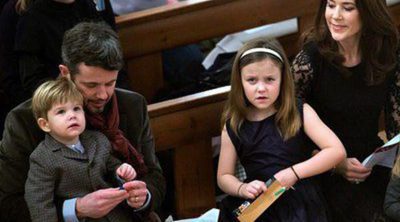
{"points": [[343, 20], [261, 83]]}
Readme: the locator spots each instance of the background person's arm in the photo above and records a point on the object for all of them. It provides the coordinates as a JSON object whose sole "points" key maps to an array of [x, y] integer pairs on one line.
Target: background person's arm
{"points": [[391, 204], [21, 135], [392, 106]]}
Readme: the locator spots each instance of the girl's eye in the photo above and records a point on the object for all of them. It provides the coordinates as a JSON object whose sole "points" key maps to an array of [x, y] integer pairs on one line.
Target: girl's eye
{"points": [[270, 79], [61, 111], [251, 80], [331, 5]]}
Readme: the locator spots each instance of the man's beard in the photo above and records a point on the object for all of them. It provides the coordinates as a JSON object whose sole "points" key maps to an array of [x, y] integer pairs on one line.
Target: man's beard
{"points": [[97, 110], [94, 109]]}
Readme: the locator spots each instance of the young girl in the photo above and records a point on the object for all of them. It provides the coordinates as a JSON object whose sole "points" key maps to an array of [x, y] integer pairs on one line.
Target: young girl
{"points": [[265, 128]]}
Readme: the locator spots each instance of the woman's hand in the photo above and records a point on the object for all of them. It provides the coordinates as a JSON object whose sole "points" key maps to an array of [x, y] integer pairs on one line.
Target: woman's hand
{"points": [[252, 190], [353, 170]]}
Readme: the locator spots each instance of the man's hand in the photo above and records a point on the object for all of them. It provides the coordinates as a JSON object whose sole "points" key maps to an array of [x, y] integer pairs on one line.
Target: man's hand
{"points": [[353, 170], [137, 193], [99, 203]]}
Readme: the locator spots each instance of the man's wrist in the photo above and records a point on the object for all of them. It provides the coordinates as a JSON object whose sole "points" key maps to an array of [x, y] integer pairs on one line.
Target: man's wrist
{"points": [[68, 211], [77, 207], [146, 203]]}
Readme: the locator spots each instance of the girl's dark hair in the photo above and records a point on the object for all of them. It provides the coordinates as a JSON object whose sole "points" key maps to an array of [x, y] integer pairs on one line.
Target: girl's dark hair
{"points": [[378, 41]]}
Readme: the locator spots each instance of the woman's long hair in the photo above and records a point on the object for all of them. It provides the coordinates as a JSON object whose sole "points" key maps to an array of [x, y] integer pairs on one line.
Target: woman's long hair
{"points": [[378, 41]]}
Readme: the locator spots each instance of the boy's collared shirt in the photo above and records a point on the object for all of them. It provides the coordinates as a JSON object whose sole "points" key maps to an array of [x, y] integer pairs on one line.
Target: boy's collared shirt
{"points": [[78, 147]]}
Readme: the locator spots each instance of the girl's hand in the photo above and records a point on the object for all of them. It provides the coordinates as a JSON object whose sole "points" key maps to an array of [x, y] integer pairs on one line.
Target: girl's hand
{"points": [[286, 177], [252, 190], [126, 172], [353, 170]]}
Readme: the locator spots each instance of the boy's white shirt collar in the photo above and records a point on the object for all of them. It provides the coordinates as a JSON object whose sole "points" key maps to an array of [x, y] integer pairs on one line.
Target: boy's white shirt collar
{"points": [[78, 147]]}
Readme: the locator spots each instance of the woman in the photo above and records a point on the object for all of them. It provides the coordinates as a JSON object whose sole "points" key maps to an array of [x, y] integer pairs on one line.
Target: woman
{"points": [[348, 72]]}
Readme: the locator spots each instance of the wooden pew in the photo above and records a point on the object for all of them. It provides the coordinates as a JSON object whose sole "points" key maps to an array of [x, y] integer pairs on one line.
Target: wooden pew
{"points": [[145, 34], [187, 125]]}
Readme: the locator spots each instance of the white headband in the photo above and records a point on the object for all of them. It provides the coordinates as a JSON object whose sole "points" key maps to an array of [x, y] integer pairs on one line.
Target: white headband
{"points": [[269, 51]]}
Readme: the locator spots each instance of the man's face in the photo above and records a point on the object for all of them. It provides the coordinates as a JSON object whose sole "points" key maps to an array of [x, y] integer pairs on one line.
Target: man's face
{"points": [[96, 85]]}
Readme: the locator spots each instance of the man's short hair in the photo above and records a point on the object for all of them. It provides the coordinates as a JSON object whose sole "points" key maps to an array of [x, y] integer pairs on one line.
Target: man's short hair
{"points": [[93, 44], [54, 92]]}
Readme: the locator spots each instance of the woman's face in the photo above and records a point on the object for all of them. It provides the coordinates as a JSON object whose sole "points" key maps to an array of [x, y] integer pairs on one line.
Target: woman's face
{"points": [[343, 20]]}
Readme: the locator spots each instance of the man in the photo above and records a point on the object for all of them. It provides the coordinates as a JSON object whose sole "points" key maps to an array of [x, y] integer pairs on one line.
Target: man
{"points": [[92, 58]]}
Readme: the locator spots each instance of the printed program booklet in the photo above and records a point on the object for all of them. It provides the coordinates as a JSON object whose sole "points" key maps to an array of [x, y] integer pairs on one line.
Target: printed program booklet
{"points": [[250, 212], [384, 155]]}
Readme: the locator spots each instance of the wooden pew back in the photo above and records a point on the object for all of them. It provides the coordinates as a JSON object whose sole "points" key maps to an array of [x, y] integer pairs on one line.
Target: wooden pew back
{"points": [[187, 125], [144, 35]]}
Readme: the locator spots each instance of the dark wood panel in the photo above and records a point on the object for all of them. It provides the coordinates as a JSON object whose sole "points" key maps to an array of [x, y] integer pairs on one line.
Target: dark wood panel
{"points": [[212, 19], [186, 126]]}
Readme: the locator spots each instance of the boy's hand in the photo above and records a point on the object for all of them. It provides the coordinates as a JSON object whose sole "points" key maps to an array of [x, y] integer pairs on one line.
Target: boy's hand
{"points": [[126, 172]]}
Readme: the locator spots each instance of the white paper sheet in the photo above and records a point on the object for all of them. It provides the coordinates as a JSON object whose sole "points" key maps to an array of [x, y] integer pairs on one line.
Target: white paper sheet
{"points": [[232, 42], [209, 216], [384, 155]]}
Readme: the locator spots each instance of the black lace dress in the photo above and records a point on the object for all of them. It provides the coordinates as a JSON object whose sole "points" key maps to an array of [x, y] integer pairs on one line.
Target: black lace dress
{"points": [[263, 153], [351, 109]]}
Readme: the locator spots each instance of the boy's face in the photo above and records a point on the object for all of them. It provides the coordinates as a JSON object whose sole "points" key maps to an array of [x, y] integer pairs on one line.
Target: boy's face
{"points": [[65, 122]]}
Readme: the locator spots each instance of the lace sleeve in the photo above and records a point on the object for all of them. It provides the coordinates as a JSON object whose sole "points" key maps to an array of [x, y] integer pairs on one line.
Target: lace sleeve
{"points": [[303, 75], [392, 109]]}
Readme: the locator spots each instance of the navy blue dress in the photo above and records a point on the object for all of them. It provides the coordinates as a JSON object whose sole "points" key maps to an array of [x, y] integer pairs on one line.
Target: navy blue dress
{"points": [[263, 153]]}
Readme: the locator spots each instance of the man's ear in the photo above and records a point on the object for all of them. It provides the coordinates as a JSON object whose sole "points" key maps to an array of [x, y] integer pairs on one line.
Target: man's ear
{"points": [[64, 71], [44, 125]]}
